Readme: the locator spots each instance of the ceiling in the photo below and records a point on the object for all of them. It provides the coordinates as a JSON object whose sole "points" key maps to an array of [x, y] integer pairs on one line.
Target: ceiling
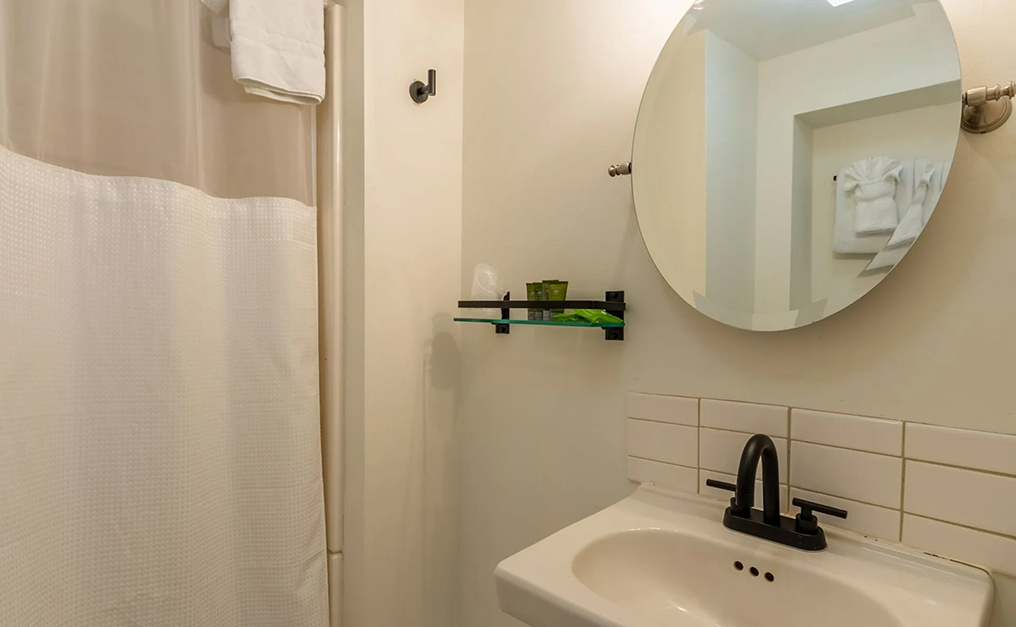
{"points": [[766, 29]]}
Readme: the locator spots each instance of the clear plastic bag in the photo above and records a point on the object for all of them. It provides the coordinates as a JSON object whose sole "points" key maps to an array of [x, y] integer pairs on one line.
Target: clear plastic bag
{"points": [[487, 286]]}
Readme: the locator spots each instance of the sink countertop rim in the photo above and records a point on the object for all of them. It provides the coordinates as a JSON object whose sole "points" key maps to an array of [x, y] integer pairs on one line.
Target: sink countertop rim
{"points": [[544, 571]]}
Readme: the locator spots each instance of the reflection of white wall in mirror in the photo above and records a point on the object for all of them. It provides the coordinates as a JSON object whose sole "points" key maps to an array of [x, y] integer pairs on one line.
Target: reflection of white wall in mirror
{"points": [[859, 67], [924, 133], [801, 222], [838, 3], [731, 79], [677, 107]]}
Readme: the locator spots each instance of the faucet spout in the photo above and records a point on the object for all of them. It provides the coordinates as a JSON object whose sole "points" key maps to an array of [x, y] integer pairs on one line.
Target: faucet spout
{"points": [[759, 447]]}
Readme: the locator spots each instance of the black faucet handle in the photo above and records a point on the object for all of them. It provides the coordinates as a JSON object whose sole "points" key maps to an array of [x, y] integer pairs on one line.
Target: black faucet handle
{"points": [[730, 487], [721, 485], [807, 523], [807, 507]]}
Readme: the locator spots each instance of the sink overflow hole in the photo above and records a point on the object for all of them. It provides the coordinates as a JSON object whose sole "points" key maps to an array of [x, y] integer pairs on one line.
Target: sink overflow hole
{"points": [[754, 571], [738, 565], [770, 578]]}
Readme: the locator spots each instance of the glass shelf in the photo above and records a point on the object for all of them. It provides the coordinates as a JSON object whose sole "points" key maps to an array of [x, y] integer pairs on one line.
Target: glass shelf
{"points": [[613, 302], [545, 323]]}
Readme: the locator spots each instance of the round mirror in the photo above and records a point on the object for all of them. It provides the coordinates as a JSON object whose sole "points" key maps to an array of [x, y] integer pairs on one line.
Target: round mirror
{"points": [[788, 153]]}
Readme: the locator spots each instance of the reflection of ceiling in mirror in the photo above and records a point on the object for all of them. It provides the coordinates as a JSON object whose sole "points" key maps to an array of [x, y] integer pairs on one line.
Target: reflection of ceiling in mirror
{"points": [[766, 29]]}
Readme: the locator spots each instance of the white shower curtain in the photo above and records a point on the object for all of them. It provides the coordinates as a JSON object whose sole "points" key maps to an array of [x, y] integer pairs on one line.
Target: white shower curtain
{"points": [[160, 456]]}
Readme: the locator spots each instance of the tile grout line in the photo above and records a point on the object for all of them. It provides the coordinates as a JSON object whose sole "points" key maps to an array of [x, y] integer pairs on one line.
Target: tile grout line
{"points": [[993, 473], [749, 433], [698, 451], [903, 480], [962, 526], [981, 431], [835, 413], [790, 432], [847, 448], [662, 422], [846, 498], [659, 461], [757, 480]]}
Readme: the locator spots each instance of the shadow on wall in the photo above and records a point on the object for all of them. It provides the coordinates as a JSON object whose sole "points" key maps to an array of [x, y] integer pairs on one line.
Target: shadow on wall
{"points": [[442, 354], [440, 484]]}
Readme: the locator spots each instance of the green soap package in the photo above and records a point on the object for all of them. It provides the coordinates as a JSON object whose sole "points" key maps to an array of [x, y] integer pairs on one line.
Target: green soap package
{"points": [[539, 294], [532, 292], [594, 316], [555, 289]]}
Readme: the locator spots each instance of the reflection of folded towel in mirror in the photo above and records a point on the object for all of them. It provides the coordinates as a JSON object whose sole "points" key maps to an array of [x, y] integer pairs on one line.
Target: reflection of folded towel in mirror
{"points": [[930, 183], [846, 240], [873, 185], [913, 219], [938, 180], [888, 258]]}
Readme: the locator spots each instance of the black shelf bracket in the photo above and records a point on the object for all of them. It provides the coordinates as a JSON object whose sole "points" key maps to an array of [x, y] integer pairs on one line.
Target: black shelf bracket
{"points": [[504, 329], [615, 334]]}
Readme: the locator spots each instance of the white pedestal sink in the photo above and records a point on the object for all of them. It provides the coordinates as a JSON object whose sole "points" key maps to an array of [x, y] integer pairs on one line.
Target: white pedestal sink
{"points": [[659, 559]]}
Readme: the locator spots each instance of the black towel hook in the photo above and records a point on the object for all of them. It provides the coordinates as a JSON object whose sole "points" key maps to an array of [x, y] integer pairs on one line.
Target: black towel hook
{"points": [[420, 92]]}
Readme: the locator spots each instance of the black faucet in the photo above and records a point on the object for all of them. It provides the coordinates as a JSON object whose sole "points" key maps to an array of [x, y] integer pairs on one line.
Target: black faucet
{"points": [[801, 532]]}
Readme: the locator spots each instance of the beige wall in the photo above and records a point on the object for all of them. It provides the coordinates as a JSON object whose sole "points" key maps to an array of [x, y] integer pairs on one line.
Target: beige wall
{"points": [[403, 238], [541, 410]]}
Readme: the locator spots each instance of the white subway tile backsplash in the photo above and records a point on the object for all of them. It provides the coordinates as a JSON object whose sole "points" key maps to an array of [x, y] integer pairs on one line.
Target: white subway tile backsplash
{"points": [[865, 477], [960, 496], [673, 444], [667, 475], [720, 451], [974, 547], [869, 520], [959, 447], [747, 417], [957, 497], [724, 495], [865, 434], [673, 409]]}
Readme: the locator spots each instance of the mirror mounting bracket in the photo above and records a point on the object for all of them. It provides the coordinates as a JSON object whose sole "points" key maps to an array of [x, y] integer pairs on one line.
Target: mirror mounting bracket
{"points": [[987, 109], [621, 169]]}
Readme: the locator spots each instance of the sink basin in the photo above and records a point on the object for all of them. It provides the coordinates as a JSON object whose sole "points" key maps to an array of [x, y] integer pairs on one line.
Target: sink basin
{"points": [[659, 559]]}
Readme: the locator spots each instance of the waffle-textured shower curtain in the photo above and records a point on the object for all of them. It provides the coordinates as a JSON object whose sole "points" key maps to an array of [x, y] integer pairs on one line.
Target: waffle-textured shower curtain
{"points": [[160, 456]]}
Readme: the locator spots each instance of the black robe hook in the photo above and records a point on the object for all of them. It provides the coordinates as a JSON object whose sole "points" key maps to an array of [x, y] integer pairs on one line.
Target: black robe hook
{"points": [[420, 92]]}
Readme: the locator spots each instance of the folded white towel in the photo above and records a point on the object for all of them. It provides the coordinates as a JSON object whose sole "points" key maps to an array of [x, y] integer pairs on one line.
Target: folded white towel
{"points": [[873, 183], [846, 241], [913, 221], [278, 47]]}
